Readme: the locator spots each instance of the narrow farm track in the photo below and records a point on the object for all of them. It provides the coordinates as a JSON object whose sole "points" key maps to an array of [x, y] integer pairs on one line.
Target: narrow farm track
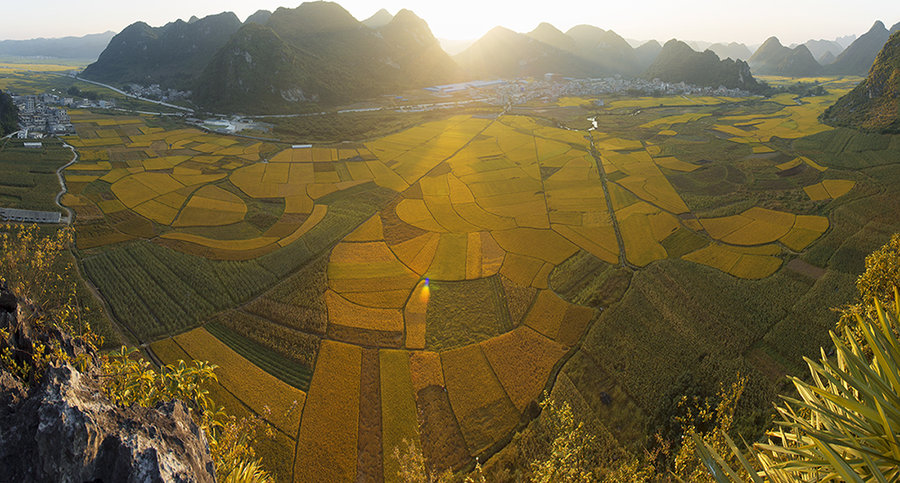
{"points": [[62, 183], [609, 204]]}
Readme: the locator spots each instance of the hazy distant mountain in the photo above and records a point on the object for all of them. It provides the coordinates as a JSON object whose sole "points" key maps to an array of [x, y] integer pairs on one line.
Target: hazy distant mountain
{"points": [[818, 48], [677, 62], [858, 57], [647, 53], [453, 47], [171, 55], [504, 53], [775, 59], [896, 27], [379, 19], [732, 50], [88, 47], [260, 17], [874, 105], [318, 52], [698, 45], [846, 40], [827, 59], [605, 48], [550, 35]]}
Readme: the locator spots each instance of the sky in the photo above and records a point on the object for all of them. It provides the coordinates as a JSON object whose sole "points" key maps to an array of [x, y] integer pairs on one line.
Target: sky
{"points": [[715, 21]]}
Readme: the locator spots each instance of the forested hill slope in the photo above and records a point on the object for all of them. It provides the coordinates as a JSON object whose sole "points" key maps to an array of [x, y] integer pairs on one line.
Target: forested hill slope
{"points": [[8, 114], [171, 55], [874, 105], [678, 62], [319, 53]]}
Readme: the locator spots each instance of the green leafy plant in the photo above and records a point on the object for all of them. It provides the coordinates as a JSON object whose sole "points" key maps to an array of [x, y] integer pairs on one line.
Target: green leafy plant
{"points": [[844, 424]]}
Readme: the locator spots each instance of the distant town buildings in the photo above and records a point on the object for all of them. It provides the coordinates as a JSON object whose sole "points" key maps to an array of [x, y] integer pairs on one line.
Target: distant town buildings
{"points": [[553, 86], [157, 93], [43, 115]]}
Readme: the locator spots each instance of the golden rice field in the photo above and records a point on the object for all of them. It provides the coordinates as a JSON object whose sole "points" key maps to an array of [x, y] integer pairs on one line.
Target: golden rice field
{"points": [[506, 199]]}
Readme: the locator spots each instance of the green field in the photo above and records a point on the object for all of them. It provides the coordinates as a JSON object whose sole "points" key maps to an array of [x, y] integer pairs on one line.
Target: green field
{"points": [[29, 174]]}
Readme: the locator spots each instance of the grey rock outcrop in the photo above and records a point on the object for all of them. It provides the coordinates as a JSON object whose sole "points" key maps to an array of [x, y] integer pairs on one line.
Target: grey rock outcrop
{"points": [[63, 428]]}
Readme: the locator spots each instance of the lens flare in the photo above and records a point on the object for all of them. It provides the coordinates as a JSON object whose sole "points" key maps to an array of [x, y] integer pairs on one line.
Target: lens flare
{"points": [[425, 293]]}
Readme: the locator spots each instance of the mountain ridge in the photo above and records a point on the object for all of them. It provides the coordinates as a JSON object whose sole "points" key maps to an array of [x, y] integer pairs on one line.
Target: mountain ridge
{"points": [[85, 47], [858, 57], [775, 59]]}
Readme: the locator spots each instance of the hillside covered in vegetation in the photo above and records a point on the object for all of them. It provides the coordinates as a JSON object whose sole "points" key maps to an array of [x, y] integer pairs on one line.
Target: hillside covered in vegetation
{"points": [[319, 53], [678, 62], [8, 114], [171, 55], [874, 105]]}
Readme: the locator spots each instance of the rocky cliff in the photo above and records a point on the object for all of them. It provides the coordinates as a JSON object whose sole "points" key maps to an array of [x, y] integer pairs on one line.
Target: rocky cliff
{"points": [[61, 427]]}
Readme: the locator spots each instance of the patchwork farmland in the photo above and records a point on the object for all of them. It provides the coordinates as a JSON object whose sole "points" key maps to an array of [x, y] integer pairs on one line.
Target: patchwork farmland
{"points": [[428, 286]]}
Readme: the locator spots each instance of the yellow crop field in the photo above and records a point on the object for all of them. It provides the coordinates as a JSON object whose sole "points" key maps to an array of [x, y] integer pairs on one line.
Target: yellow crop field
{"points": [[317, 215], [669, 121], [399, 425], [572, 102], [370, 230], [675, 164], [721, 227], [641, 245], [735, 262], [813, 164], [599, 241], [546, 245], [364, 260], [790, 164], [233, 245], [156, 211], [446, 216], [212, 206], [418, 253], [414, 316], [547, 314], [416, 213], [345, 313], [425, 369], [522, 360], [838, 187], [829, 189], [484, 411], [255, 387], [327, 441], [817, 192], [800, 238], [449, 261], [521, 269], [753, 227], [805, 231]]}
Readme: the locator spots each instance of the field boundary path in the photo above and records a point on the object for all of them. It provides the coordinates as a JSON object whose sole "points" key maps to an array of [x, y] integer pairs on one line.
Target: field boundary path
{"points": [[62, 183], [609, 204]]}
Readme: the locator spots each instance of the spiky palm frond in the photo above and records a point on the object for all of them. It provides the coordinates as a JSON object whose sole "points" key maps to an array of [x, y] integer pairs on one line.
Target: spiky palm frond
{"points": [[845, 425]]}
